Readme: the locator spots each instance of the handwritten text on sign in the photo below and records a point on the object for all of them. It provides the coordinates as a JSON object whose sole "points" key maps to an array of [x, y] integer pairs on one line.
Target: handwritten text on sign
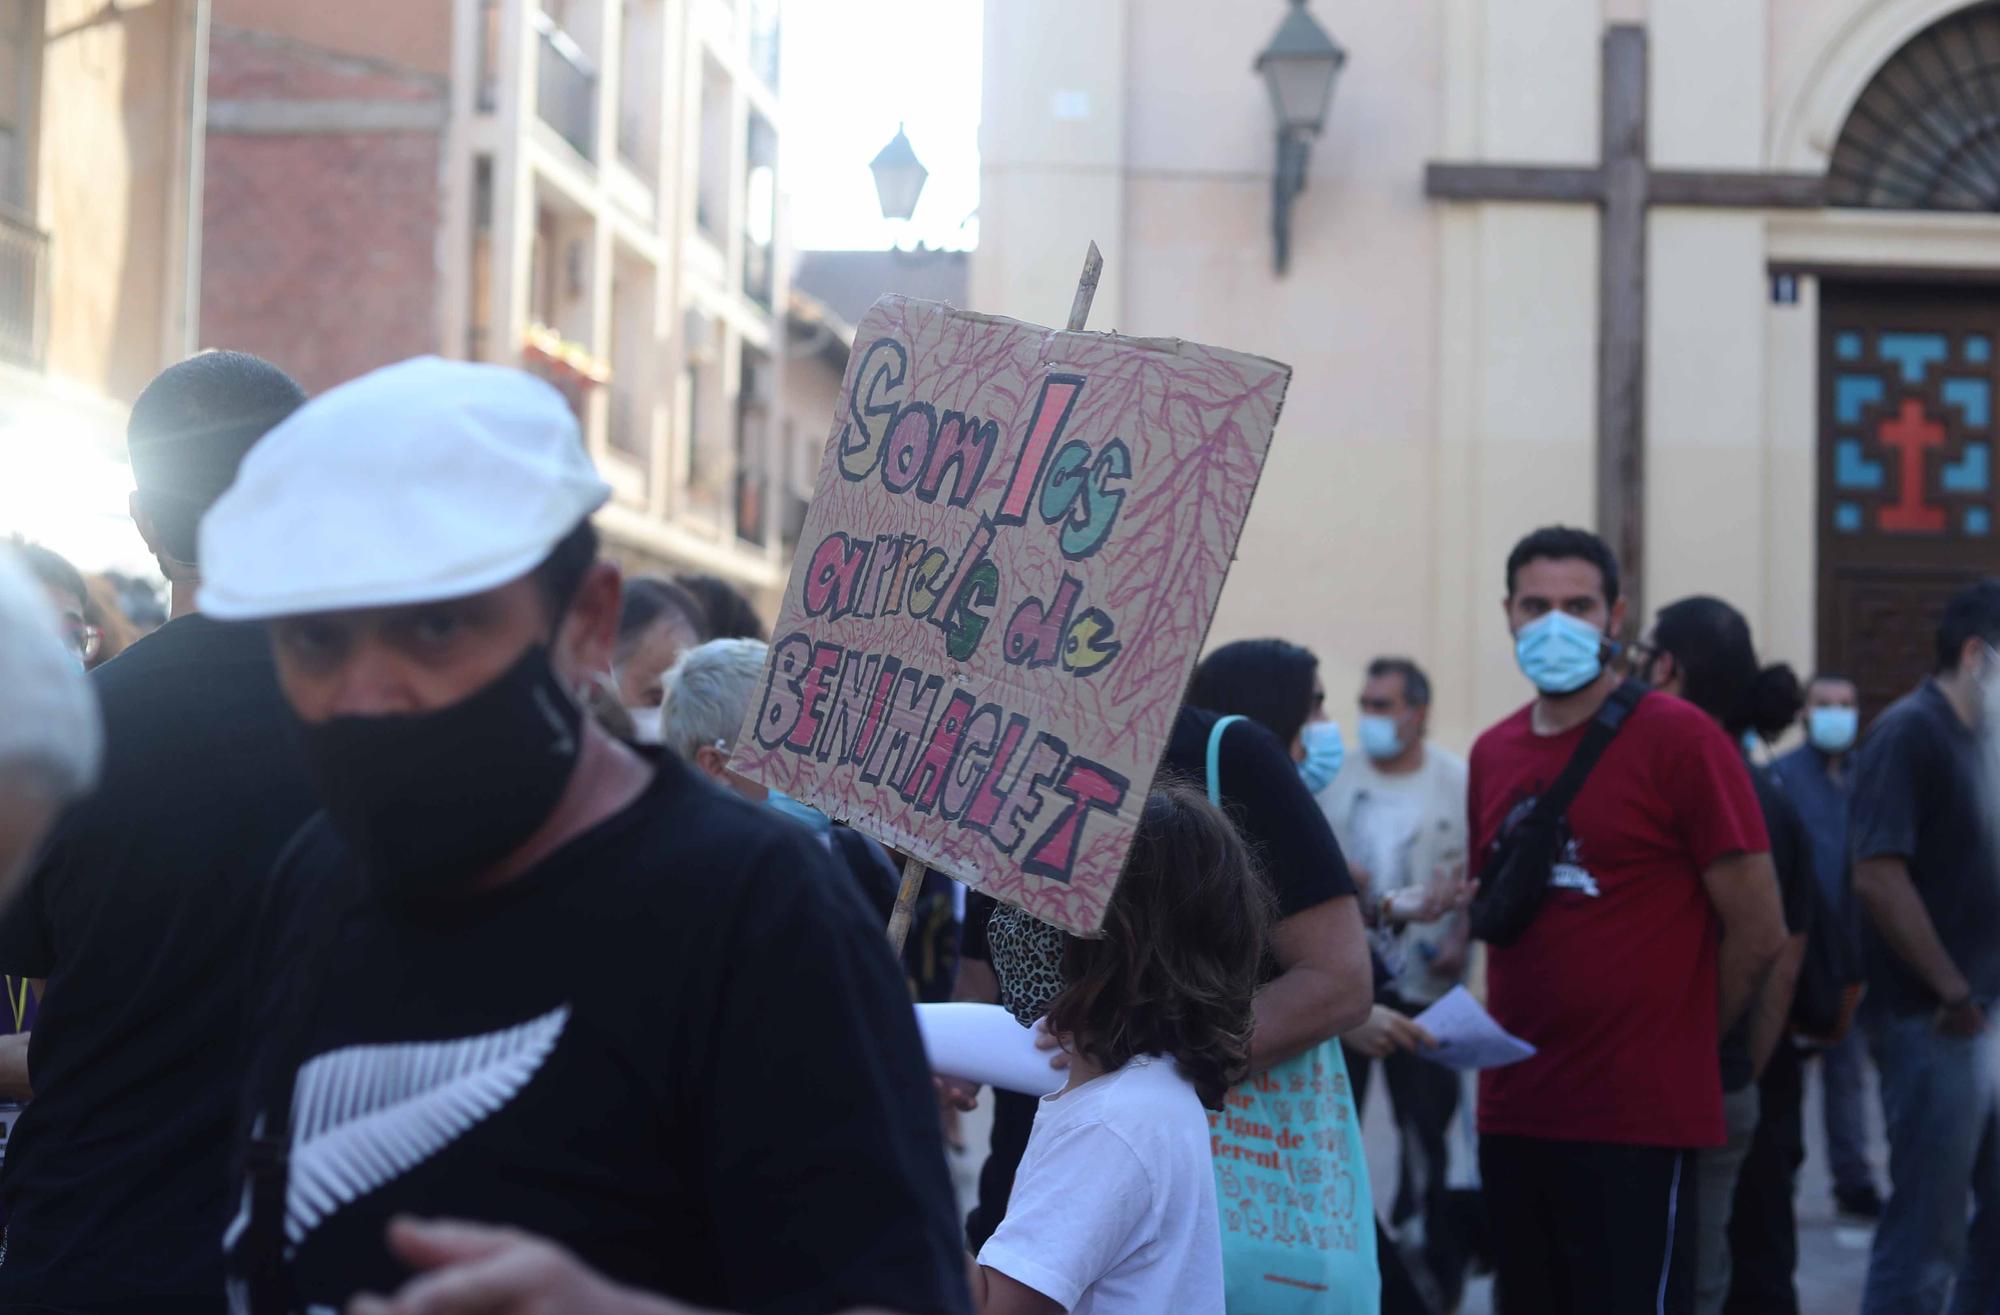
{"points": [[1012, 555]]}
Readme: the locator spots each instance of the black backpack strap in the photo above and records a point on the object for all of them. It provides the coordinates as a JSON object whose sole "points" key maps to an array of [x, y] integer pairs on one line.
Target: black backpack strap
{"points": [[1604, 728]]}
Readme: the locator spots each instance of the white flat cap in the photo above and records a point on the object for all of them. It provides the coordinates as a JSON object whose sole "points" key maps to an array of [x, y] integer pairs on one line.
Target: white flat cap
{"points": [[48, 713], [424, 480]]}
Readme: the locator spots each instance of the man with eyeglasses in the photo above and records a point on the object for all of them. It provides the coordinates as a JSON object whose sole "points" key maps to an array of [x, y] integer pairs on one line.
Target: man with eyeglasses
{"points": [[140, 911], [67, 593]]}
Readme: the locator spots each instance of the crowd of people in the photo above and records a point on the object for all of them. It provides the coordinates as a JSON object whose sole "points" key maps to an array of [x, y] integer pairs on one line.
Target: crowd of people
{"points": [[387, 931]]}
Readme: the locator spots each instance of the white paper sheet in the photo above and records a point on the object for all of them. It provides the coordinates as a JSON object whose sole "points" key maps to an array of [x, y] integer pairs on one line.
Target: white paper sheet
{"points": [[1467, 1036], [983, 1044]]}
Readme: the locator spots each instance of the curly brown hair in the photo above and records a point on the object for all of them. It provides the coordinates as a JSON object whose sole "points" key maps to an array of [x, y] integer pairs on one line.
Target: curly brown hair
{"points": [[1183, 943]]}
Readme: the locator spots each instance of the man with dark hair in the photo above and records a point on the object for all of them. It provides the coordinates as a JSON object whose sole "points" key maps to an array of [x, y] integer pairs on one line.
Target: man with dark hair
{"points": [[729, 614], [141, 911], [1620, 978], [188, 433], [1818, 776], [514, 971], [1926, 875], [1398, 810], [63, 584]]}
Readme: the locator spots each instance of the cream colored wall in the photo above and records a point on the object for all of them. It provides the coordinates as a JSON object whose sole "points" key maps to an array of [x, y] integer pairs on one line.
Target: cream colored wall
{"points": [[106, 192], [1723, 511], [1445, 355], [1050, 184]]}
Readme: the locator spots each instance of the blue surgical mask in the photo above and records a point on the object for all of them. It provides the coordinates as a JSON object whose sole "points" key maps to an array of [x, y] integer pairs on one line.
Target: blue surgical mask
{"points": [[1379, 737], [1324, 753], [1832, 730], [810, 818], [1560, 654]]}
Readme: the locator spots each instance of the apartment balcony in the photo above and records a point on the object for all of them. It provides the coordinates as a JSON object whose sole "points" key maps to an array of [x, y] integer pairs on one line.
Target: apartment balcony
{"points": [[24, 258], [565, 86]]}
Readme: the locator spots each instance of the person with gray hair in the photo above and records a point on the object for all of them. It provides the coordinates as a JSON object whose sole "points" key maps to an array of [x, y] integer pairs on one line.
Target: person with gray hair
{"points": [[705, 697], [703, 700]]}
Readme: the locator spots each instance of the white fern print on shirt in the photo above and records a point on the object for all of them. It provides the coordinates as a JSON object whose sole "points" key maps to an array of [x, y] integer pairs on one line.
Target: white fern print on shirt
{"points": [[364, 1115]]}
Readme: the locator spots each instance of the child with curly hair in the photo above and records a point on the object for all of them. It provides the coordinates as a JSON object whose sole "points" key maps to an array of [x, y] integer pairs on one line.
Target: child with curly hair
{"points": [[1113, 1211]]}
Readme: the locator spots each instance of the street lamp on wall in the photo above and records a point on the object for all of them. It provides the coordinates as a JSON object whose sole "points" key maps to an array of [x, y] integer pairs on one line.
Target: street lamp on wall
{"points": [[1299, 68], [899, 176]]}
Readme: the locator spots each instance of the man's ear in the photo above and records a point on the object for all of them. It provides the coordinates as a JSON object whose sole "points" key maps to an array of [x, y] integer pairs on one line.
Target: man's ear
{"points": [[144, 520], [1617, 626], [590, 626], [712, 761]]}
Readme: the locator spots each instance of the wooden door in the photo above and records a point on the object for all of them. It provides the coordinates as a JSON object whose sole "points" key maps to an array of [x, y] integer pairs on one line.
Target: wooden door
{"points": [[1906, 514]]}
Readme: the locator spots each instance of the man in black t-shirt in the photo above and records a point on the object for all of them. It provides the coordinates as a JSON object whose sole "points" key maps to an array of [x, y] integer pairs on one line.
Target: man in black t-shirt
{"points": [[141, 910], [1926, 874], [512, 973]]}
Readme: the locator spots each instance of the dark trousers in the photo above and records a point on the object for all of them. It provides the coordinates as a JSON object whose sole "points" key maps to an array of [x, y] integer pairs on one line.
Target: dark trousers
{"points": [[1763, 1233], [1424, 1098], [1013, 1120], [1589, 1228]]}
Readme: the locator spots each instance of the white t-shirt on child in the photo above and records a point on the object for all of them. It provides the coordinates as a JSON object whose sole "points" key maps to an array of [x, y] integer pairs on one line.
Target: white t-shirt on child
{"points": [[1113, 1208]]}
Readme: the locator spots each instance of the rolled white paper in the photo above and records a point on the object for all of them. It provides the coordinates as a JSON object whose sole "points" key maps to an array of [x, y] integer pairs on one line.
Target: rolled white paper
{"points": [[983, 1044]]}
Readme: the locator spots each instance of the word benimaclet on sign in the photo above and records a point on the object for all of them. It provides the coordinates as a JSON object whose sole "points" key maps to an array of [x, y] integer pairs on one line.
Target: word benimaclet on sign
{"points": [[1013, 552]]}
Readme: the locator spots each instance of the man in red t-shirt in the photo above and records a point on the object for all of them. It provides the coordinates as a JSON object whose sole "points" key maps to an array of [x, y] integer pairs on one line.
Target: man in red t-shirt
{"points": [[1661, 919]]}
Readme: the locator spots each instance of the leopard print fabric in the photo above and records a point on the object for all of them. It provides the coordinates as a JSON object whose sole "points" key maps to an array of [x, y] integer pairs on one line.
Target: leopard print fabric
{"points": [[1027, 959]]}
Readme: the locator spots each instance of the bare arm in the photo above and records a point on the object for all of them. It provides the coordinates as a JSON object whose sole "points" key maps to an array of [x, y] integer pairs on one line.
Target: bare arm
{"points": [[14, 1084], [1774, 1003], [993, 1293], [1323, 986], [1744, 891], [1891, 899]]}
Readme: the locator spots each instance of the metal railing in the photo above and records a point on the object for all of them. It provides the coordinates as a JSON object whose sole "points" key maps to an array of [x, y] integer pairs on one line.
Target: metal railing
{"points": [[565, 86], [24, 304]]}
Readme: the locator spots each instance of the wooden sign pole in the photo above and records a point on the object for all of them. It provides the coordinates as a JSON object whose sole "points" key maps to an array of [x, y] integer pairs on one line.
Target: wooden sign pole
{"points": [[913, 867]]}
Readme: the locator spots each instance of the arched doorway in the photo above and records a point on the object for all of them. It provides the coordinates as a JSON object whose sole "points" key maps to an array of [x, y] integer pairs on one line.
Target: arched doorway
{"points": [[1908, 368]]}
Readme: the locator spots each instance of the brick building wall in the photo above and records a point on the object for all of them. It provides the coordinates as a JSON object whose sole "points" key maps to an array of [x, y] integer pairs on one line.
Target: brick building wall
{"points": [[322, 203]]}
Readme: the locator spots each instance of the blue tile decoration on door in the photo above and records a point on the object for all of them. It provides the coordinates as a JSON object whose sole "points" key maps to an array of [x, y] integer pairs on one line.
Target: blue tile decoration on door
{"points": [[1852, 393], [1914, 352], [1972, 397], [1853, 471]]}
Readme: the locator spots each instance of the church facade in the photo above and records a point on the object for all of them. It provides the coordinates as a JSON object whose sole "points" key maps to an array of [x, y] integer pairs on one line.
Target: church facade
{"points": [[1720, 278]]}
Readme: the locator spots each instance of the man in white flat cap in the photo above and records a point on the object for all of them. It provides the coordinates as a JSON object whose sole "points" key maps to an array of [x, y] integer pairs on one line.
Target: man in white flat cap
{"points": [[515, 973]]}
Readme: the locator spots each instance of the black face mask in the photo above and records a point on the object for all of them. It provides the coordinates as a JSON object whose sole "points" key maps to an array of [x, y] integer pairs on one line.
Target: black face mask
{"points": [[430, 800]]}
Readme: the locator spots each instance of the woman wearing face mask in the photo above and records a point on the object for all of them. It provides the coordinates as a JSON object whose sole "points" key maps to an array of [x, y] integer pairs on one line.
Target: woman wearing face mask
{"points": [[1277, 685], [658, 620]]}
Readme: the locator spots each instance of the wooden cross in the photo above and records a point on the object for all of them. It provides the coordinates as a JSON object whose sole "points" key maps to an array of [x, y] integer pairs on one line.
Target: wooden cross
{"points": [[1623, 186]]}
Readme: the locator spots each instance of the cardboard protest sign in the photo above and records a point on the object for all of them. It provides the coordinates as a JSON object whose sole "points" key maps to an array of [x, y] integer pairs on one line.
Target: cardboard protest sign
{"points": [[1012, 555]]}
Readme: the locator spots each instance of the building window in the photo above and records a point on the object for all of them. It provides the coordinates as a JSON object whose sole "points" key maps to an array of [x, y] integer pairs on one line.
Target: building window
{"points": [[760, 210], [639, 96], [764, 42], [23, 247], [489, 55], [705, 439], [633, 354], [565, 86], [711, 201], [479, 274], [753, 440]]}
